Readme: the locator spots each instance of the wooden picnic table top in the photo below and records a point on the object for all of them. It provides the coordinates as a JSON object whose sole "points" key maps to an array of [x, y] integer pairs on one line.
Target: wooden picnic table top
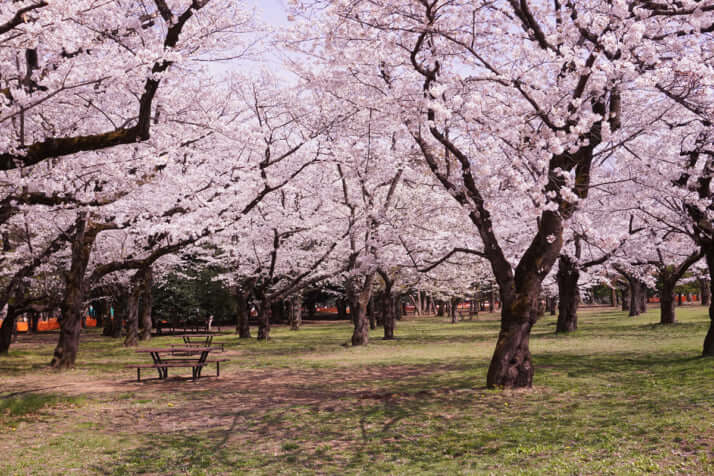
{"points": [[176, 349], [196, 335]]}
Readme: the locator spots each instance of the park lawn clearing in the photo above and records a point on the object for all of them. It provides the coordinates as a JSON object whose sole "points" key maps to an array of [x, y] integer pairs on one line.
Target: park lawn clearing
{"points": [[619, 396]]}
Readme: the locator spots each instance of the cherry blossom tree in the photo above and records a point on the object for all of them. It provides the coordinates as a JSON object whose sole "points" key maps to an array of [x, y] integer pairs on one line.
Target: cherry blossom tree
{"points": [[508, 102]]}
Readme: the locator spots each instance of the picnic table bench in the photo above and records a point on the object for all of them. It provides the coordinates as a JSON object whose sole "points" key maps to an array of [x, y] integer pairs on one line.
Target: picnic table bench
{"points": [[194, 357]]}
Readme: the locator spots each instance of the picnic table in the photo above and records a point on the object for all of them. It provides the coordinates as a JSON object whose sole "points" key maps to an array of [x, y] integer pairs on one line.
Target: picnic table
{"points": [[177, 357], [200, 340]]}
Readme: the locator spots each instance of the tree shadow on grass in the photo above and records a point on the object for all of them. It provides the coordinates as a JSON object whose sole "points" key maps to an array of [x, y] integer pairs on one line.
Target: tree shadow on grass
{"points": [[339, 420]]}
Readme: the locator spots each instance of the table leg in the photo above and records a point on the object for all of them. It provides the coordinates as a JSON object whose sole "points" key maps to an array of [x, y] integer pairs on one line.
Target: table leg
{"points": [[201, 360], [163, 372]]}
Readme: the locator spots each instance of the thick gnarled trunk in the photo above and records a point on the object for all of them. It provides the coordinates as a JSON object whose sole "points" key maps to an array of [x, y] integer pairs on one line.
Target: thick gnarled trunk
{"points": [[265, 310], [568, 295], [511, 365], [65, 353], [358, 294]]}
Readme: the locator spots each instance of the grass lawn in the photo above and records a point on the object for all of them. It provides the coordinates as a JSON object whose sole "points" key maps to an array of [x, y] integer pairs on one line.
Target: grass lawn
{"points": [[620, 396]]}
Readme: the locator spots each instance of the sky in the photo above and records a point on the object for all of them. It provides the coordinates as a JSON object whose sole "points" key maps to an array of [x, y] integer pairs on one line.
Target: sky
{"points": [[273, 11]]}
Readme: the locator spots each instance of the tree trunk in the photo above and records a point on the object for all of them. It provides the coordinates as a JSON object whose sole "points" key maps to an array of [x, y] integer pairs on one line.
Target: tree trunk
{"points": [[567, 277], [708, 348], [296, 312], [635, 290], [8, 326], [341, 308], [492, 301], [378, 308], [625, 298], [389, 311], [358, 294], [34, 319], [511, 364], [9, 323], [553, 305], [242, 314], [139, 283], [265, 309], [453, 309], [371, 314], [108, 323], [277, 311], [704, 292], [440, 309], [541, 307], [119, 320], [666, 301], [132, 317], [679, 299], [643, 298], [65, 353], [147, 305], [613, 297]]}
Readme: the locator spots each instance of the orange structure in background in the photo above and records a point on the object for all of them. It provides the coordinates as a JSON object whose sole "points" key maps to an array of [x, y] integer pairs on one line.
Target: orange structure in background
{"points": [[50, 324], [694, 298]]}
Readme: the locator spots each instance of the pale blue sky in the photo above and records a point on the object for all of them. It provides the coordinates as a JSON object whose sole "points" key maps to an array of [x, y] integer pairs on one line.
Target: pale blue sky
{"points": [[273, 10]]}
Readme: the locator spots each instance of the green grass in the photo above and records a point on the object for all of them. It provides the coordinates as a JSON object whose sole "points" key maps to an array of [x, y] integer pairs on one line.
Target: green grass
{"points": [[619, 396], [13, 407]]}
